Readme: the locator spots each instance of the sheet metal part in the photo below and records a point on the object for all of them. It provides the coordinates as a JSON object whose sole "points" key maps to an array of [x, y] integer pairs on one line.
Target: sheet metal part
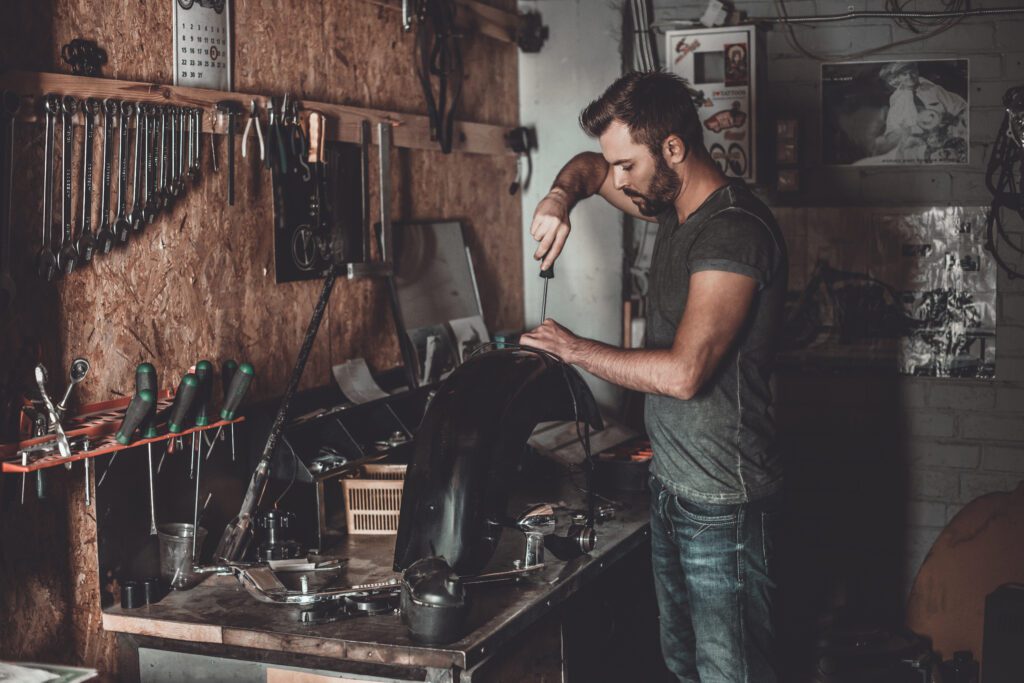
{"points": [[467, 448]]}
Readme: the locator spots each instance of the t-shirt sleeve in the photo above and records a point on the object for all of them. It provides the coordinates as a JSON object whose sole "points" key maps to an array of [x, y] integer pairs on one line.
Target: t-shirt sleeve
{"points": [[735, 242]]}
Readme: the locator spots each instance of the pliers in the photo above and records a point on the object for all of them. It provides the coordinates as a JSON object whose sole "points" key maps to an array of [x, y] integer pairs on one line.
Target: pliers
{"points": [[253, 117]]}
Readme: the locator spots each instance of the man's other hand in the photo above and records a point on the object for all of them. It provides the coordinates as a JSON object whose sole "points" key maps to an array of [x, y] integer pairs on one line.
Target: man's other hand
{"points": [[551, 337], [550, 227]]}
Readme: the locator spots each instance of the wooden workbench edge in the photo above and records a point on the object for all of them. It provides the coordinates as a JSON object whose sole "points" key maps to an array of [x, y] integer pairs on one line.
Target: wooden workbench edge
{"points": [[175, 630]]}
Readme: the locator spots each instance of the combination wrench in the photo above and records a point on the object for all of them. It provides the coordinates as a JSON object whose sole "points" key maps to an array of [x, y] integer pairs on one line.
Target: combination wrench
{"points": [[105, 236], [123, 226], [86, 238], [67, 255], [136, 216], [46, 260], [11, 105]]}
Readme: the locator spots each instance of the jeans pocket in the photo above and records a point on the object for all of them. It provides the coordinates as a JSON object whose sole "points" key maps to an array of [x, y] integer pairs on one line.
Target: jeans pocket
{"points": [[709, 515]]}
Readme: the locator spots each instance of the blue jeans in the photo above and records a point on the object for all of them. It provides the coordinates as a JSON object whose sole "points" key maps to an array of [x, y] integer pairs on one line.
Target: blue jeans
{"points": [[715, 585]]}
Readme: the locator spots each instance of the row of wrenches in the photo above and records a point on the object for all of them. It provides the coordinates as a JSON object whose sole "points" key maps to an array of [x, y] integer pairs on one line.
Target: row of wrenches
{"points": [[167, 150]]}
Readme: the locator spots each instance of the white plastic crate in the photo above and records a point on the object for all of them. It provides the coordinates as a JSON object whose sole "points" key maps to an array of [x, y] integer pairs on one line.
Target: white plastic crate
{"points": [[373, 501]]}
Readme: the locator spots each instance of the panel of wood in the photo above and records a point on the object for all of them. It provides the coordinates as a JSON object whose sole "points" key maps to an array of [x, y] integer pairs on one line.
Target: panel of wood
{"points": [[199, 282], [343, 123]]}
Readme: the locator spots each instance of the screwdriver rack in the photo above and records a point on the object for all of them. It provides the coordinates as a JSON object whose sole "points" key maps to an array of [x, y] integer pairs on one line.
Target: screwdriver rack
{"points": [[344, 123], [99, 422]]}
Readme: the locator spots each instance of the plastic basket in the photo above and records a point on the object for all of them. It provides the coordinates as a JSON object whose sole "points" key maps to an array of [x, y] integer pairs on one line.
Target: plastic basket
{"points": [[373, 501]]}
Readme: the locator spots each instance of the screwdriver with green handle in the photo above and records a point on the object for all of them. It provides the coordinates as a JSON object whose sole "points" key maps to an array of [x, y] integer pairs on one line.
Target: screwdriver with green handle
{"points": [[228, 371], [233, 396], [145, 380], [204, 375]]}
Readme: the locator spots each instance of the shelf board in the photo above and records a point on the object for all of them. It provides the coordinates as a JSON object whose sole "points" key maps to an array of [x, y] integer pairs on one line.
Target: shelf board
{"points": [[411, 131]]}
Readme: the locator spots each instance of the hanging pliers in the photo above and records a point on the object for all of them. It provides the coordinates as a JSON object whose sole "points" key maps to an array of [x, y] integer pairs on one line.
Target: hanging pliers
{"points": [[254, 118]]}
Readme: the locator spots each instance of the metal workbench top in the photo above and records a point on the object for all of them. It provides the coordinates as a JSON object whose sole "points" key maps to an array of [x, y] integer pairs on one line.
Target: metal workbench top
{"points": [[219, 611]]}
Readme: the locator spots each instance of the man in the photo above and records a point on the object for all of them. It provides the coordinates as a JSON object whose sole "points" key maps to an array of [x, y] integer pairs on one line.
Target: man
{"points": [[717, 284]]}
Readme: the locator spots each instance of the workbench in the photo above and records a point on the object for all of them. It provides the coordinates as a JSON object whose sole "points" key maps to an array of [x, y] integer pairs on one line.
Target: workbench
{"points": [[217, 631]]}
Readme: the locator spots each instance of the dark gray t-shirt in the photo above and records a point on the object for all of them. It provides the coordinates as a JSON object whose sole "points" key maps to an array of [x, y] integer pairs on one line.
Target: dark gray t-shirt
{"points": [[719, 446]]}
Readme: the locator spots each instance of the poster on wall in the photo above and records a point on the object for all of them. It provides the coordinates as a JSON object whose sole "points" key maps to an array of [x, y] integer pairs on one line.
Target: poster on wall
{"points": [[907, 289], [202, 43], [895, 113]]}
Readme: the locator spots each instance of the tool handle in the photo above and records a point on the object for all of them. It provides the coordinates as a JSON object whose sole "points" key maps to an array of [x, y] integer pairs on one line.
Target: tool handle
{"points": [[145, 378], [236, 392], [204, 373], [548, 273], [183, 399], [317, 134], [140, 406], [227, 372]]}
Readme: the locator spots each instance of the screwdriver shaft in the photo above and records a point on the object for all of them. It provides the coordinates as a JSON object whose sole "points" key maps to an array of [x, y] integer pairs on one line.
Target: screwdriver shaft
{"points": [[544, 302]]}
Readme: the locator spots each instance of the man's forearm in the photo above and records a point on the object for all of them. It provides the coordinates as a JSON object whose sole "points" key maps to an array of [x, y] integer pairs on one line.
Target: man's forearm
{"points": [[582, 177], [652, 371]]}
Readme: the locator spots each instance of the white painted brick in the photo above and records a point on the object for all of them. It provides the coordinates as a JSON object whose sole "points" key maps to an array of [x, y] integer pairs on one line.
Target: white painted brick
{"points": [[1010, 368], [1011, 308], [962, 394], [988, 93], [992, 426], [902, 186], [833, 41], [984, 123], [969, 186], [1010, 338], [913, 392], [1010, 397], [923, 513], [930, 423], [1003, 459], [934, 485], [974, 485], [1009, 32], [966, 38], [1013, 64], [937, 454]]}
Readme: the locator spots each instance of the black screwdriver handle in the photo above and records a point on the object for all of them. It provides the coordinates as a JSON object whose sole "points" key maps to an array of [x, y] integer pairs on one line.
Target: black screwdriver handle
{"points": [[145, 378], [204, 373], [548, 273], [236, 392], [183, 400], [227, 372], [140, 406]]}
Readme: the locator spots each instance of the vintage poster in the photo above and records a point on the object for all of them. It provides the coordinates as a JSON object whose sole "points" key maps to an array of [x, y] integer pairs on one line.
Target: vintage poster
{"points": [[895, 113], [909, 289]]}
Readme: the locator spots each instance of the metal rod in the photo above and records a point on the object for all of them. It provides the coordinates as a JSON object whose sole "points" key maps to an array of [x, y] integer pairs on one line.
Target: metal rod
{"points": [[384, 150], [88, 496], [152, 499]]}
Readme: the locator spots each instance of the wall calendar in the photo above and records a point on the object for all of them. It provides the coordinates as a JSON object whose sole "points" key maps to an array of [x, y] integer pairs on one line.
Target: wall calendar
{"points": [[202, 43]]}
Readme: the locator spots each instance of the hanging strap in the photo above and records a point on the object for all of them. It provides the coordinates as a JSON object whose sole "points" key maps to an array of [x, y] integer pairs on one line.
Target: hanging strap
{"points": [[438, 54]]}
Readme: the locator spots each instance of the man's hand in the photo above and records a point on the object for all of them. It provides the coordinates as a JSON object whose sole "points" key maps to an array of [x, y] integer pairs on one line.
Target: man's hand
{"points": [[550, 227], [551, 337]]}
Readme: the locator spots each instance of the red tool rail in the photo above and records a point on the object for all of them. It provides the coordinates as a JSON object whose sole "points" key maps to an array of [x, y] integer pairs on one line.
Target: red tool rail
{"points": [[99, 422]]}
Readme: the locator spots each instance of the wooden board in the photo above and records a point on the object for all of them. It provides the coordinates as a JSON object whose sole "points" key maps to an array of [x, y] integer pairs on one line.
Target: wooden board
{"points": [[199, 282]]}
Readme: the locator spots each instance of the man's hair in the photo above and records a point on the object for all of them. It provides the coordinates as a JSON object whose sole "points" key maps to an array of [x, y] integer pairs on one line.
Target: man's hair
{"points": [[653, 105]]}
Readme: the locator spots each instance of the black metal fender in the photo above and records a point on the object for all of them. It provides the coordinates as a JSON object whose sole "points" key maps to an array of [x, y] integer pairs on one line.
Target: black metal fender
{"points": [[468, 447]]}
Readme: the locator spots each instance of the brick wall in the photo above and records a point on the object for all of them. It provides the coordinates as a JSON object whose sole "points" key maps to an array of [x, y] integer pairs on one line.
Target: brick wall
{"points": [[880, 464]]}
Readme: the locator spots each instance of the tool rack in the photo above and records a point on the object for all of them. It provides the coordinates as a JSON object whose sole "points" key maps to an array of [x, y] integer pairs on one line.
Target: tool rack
{"points": [[99, 422], [344, 123]]}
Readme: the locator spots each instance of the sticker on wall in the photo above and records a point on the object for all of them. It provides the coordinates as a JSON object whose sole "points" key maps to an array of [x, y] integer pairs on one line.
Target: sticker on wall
{"points": [[895, 113], [202, 43], [910, 288]]}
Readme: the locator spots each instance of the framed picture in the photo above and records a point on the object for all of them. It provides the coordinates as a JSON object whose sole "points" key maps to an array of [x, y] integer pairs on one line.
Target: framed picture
{"points": [[895, 113]]}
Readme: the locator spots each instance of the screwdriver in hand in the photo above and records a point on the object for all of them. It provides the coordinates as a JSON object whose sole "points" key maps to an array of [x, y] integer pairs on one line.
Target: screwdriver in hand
{"points": [[547, 274]]}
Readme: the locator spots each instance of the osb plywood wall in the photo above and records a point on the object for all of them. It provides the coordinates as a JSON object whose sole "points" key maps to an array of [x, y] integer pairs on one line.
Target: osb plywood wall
{"points": [[199, 282]]}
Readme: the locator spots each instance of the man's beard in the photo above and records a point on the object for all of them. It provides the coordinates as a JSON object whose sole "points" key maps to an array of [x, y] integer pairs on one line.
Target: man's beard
{"points": [[664, 188]]}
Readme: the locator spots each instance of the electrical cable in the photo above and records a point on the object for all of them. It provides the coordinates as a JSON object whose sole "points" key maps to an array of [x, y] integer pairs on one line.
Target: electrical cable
{"points": [[798, 46], [643, 51], [1006, 162]]}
